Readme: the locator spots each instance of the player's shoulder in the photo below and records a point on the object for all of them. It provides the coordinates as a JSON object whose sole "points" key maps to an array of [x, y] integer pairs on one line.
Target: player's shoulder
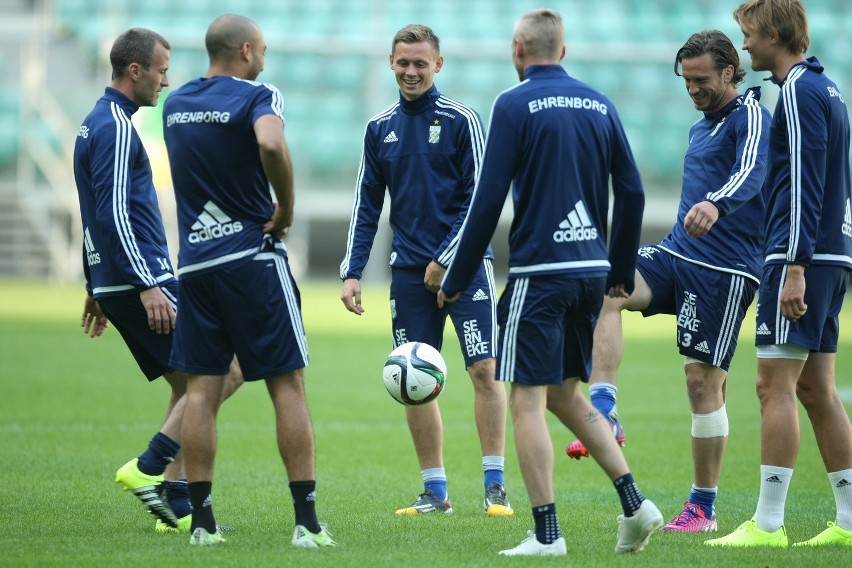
{"points": [[455, 108], [384, 115]]}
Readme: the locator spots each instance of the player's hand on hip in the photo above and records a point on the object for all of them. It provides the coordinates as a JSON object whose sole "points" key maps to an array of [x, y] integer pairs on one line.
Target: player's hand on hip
{"points": [[350, 295], [280, 223], [161, 313], [434, 276]]}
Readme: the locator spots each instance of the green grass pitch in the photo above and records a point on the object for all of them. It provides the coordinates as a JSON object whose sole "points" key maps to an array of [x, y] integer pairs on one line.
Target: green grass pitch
{"points": [[73, 409]]}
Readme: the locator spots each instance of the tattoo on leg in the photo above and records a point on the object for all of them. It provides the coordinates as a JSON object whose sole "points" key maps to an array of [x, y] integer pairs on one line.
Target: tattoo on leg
{"points": [[593, 416]]}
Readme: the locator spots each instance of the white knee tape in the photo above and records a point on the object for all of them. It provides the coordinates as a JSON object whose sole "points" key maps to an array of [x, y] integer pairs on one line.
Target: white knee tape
{"points": [[710, 425]]}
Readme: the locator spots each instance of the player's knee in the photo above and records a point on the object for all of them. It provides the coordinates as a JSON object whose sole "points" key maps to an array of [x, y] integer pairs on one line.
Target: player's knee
{"points": [[712, 425]]}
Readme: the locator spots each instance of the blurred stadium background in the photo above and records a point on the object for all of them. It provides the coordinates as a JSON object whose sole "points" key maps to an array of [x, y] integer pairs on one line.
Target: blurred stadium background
{"points": [[329, 58]]}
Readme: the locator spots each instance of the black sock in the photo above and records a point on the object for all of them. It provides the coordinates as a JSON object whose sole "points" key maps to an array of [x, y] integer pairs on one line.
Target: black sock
{"points": [[177, 492], [631, 497], [304, 504], [161, 452], [546, 523], [200, 497]]}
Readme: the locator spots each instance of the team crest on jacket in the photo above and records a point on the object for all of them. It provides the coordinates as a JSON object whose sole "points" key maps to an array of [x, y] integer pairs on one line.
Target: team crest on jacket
{"points": [[435, 132]]}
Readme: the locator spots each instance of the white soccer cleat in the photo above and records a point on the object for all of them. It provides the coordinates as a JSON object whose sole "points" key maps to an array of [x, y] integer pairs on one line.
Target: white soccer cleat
{"points": [[634, 532], [530, 546]]}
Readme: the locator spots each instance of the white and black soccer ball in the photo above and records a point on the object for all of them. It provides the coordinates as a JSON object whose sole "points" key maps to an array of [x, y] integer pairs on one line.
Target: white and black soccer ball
{"points": [[414, 373]]}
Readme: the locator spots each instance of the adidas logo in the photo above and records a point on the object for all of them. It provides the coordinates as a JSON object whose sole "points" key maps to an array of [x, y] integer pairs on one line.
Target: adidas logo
{"points": [[391, 137], [763, 329], [843, 483], [312, 496], [92, 257], [213, 223], [847, 220], [479, 295], [702, 347], [773, 479], [208, 501], [577, 226]]}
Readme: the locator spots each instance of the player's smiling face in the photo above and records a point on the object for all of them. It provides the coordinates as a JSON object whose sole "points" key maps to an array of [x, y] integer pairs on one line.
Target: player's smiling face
{"points": [[707, 87], [415, 65]]}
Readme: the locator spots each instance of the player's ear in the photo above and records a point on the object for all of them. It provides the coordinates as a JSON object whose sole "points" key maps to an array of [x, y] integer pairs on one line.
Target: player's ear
{"points": [[439, 63], [134, 70]]}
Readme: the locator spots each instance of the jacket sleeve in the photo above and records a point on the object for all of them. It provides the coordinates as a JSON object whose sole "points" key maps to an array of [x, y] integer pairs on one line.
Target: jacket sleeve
{"points": [[470, 147], [114, 151], [627, 211], [369, 199], [751, 130], [499, 164], [807, 143]]}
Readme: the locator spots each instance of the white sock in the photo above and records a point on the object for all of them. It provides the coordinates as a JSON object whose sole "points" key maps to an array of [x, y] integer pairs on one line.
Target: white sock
{"points": [[841, 484], [493, 462], [774, 483]]}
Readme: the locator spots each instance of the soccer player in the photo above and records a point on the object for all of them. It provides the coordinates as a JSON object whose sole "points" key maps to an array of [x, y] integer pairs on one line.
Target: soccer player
{"points": [[224, 134], [425, 150], [557, 142], [805, 275], [126, 261], [707, 269]]}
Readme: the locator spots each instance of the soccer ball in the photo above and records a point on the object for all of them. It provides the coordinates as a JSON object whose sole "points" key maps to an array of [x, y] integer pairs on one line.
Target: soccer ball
{"points": [[414, 373]]}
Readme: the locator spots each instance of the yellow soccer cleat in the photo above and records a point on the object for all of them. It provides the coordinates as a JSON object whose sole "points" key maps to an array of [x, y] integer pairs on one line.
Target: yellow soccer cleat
{"points": [[183, 526], [747, 534], [147, 489], [832, 536]]}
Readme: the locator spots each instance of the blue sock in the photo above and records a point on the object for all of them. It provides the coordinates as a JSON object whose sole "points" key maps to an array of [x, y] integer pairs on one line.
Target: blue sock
{"points": [[435, 480], [630, 496], [546, 523], [603, 398], [705, 498], [160, 453], [177, 494], [492, 466]]}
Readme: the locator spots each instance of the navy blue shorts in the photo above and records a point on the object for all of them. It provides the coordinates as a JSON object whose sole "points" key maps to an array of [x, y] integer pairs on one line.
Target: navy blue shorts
{"points": [[415, 315], [709, 304], [546, 328], [251, 309], [127, 315], [817, 330]]}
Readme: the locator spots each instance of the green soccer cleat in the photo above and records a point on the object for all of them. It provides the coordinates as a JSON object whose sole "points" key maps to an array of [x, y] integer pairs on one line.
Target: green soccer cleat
{"points": [[183, 526], [832, 536], [146, 488], [200, 537], [303, 538], [747, 534]]}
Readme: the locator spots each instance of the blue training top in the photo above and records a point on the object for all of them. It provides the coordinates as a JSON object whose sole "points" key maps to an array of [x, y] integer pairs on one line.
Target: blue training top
{"points": [[809, 211], [556, 141], [427, 153], [124, 242], [726, 164], [222, 192]]}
